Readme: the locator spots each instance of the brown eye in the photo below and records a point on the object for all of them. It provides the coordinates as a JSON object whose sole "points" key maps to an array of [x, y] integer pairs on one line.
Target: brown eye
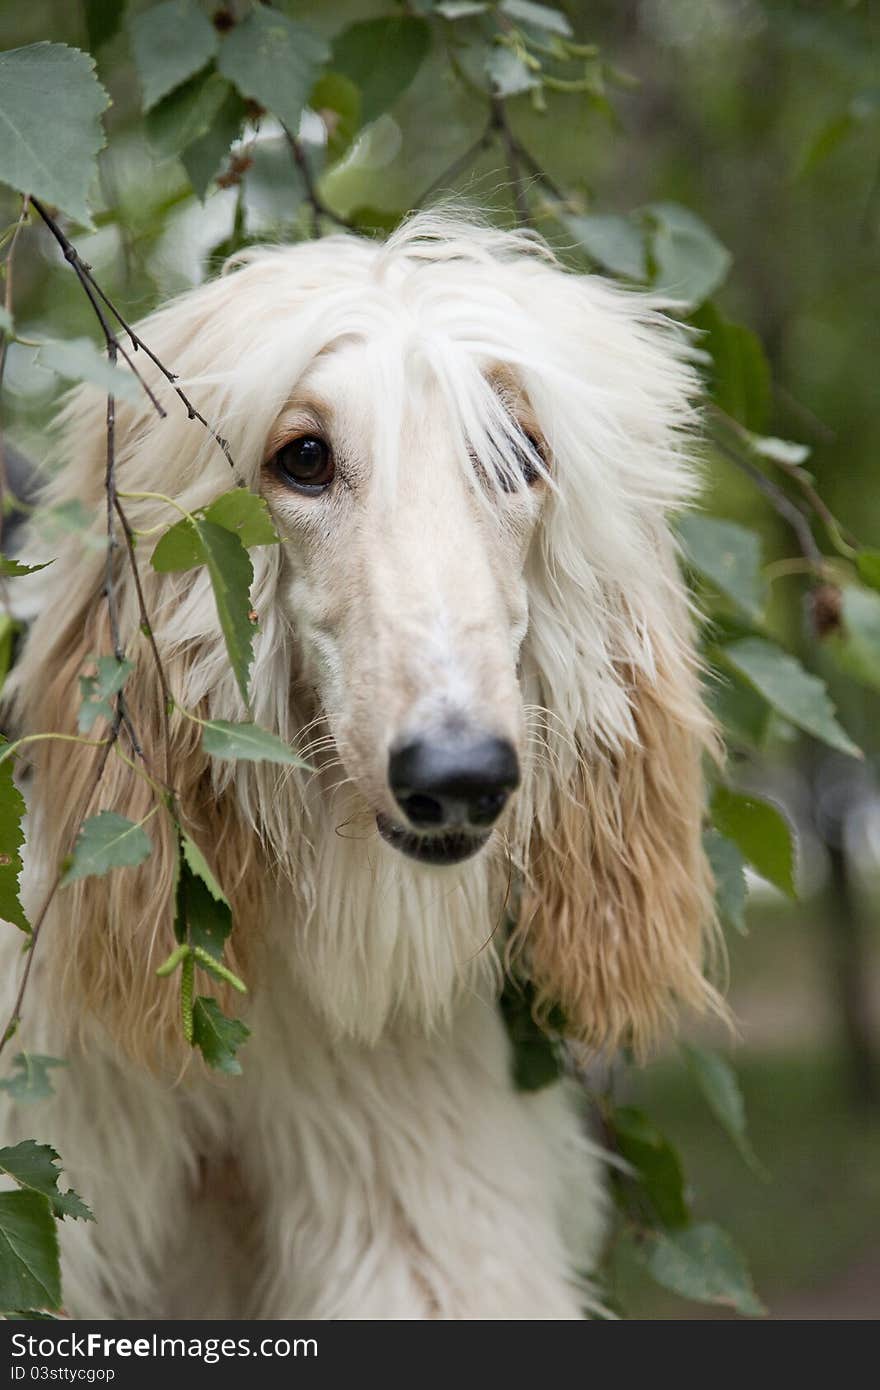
{"points": [[306, 463], [525, 457], [530, 471]]}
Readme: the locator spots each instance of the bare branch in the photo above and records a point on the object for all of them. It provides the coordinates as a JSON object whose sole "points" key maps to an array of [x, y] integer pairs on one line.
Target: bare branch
{"points": [[781, 503], [97, 299], [315, 201]]}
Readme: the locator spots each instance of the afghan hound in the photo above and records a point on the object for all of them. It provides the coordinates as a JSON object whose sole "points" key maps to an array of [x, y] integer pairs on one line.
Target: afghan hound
{"points": [[475, 632]]}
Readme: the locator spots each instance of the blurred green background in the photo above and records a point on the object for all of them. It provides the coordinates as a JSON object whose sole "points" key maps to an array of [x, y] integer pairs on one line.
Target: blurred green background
{"points": [[763, 117]]}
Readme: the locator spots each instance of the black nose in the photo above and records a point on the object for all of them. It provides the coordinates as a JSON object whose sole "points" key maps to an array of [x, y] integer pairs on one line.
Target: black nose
{"points": [[453, 781]]}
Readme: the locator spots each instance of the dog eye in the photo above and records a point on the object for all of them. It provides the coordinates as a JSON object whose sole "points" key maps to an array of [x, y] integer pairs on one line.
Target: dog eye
{"points": [[306, 463], [526, 461]]}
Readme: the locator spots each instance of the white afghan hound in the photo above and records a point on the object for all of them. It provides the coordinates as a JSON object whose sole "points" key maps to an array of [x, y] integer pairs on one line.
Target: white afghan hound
{"points": [[475, 631]]}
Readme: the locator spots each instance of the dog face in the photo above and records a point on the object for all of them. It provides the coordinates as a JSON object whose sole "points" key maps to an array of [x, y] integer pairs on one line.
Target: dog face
{"points": [[470, 456], [403, 577]]}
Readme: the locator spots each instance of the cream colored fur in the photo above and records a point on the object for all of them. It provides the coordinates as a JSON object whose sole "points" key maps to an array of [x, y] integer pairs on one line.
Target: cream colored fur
{"points": [[384, 1161]]}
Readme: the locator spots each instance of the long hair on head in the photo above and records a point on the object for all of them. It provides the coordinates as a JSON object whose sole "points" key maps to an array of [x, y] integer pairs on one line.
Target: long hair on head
{"points": [[617, 914]]}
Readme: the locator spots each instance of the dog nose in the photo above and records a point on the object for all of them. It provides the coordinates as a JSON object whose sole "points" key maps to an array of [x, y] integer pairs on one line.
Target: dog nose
{"points": [[442, 782]]}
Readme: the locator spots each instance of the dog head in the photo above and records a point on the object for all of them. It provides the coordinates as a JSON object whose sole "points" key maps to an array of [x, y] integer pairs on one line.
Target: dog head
{"points": [[474, 625]]}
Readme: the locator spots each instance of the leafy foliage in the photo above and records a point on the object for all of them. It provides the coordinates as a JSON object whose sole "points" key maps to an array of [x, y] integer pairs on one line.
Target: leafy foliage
{"points": [[30, 1079], [218, 1037], [760, 832], [12, 813], [796, 694], [406, 102], [30, 1275], [700, 1262], [224, 740], [50, 109], [107, 841], [98, 690]]}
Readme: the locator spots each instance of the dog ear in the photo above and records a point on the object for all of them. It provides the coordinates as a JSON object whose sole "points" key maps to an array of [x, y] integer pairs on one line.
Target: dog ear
{"points": [[104, 936], [618, 914]]}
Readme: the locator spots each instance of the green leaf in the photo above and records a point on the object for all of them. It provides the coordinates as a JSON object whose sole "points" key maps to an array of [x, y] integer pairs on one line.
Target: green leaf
{"points": [[702, 1263], [726, 864], [274, 61], [246, 741], [218, 1037], [656, 1163], [204, 157], [9, 627], [170, 43], [103, 21], [729, 556], [537, 1056], [798, 696], [718, 1082], [540, 16], [863, 107], [617, 243], [98, 690], [868, 566], [12, 813], [338, 103], [179, 549], [760, 832], [274, 190], [690, 262], [825, 141], [50, 126], [196, 541], [33, 1166], [744, 714], [231, 574], [13, 569], [30, 1079], [245, 514], [199, 865], [381, 57], [857, 647], [7, 325], [739, 379], [30, 1273], [508, 73], [202, 918], [107, 841], [187, 114], [78, 359]]}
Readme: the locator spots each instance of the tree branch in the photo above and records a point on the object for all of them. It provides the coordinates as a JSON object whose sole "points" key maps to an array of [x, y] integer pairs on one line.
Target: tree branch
{"points": [[779, 501], [315, 201], [97, 298]]}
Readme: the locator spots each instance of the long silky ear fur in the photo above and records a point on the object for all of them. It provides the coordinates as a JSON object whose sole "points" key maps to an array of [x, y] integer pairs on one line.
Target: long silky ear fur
{"points": [[618, 923], [104, 936]]}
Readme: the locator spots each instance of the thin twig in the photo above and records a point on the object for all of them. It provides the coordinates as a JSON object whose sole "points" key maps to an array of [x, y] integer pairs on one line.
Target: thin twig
{"points": [[458, 166], [147, 629], [313, 198], [500, 124], [779, 500], [4, 344], [842, 540], [95, 294]]}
